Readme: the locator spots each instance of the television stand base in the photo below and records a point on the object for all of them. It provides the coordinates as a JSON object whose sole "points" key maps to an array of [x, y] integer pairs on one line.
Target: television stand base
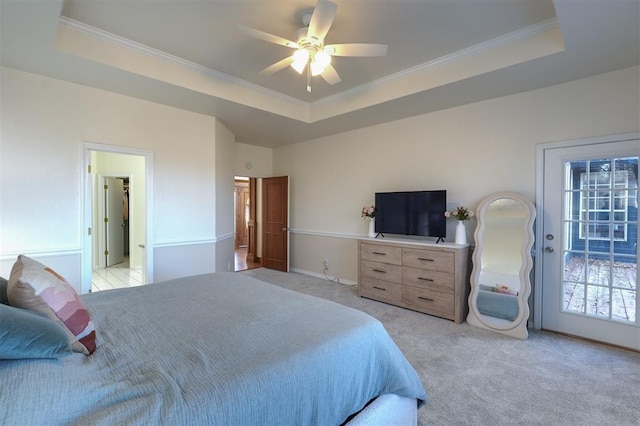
{"points": [[440, 239]]}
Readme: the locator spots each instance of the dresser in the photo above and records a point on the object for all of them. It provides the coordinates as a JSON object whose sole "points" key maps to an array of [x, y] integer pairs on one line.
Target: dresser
{"points": [[425, 277]]}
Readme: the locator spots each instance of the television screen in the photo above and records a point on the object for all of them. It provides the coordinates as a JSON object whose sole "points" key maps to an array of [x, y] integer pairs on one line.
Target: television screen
{"points": [[412, 213]]}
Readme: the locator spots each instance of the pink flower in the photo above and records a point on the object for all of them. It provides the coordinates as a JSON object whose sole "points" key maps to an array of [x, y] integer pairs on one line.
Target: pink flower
{"points": [[368, 212]]}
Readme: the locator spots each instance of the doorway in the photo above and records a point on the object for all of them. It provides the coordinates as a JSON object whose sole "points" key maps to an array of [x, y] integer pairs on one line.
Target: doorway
{"points": [[113, 267], [115, 244], [246, 210], [266, 218], [589, 233], [118, 194]]}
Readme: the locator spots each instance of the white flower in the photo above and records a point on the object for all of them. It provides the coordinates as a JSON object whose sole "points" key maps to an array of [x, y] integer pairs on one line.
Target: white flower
{"points": [[460, 213]]}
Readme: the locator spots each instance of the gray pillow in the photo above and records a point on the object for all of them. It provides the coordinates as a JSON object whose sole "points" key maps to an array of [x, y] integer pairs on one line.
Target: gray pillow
{"points": [[3, 291], [25, 334]]}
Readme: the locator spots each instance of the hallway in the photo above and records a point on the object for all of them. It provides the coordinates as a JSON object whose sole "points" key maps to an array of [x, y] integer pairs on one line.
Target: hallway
{"points": [[241, 263]]}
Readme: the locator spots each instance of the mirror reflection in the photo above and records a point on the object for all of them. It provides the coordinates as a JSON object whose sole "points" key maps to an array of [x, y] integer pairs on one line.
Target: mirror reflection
{"points": [[502, 261]]}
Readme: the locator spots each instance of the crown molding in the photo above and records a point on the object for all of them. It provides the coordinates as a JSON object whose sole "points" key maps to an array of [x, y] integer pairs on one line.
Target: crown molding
{"points": [[459, 55], [329, 101], [83, 28]]}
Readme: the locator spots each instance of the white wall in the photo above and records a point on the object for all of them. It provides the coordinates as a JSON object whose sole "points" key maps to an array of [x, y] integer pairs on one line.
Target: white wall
{"points": [[44, 123], [253, 161], [471, 151], [225, 190]]}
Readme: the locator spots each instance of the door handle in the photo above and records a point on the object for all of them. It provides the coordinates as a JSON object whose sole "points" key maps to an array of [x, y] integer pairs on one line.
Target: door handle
{"points": [[141, 245], [285, 229], [548, 249]]}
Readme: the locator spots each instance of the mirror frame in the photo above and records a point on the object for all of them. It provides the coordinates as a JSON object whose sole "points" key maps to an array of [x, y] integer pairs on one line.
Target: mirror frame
{"points": [[518, 327]]}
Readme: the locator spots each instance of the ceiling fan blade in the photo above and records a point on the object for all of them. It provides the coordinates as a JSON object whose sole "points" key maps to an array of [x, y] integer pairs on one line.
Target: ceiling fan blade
{"points": [[356, 49], [321, 19], [280, 65], [268, 37], [330, 75]]}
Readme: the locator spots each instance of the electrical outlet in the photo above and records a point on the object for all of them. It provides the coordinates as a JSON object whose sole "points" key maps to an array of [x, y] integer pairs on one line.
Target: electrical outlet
{"points": [[325, 262]]}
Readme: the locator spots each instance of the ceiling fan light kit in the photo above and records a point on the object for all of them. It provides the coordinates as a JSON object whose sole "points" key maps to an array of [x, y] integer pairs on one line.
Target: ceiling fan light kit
{"points": [[310, 47], [300, 59], [320, 61]]}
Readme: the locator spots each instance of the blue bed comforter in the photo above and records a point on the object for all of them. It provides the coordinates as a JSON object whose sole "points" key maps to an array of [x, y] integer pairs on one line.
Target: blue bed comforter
{"points": [[218, 349]]}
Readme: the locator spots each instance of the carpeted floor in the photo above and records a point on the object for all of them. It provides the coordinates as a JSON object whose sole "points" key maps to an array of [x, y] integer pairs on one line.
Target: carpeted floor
{"points": [[477, 377]]}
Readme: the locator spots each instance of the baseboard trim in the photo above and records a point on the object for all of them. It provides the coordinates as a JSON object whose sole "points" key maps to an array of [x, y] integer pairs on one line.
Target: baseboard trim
{"points": [[321, 276]]}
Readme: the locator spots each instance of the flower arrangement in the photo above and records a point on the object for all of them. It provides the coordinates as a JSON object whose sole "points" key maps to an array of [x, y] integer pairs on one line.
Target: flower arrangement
{"points": [[460, 213], [368, 212]]}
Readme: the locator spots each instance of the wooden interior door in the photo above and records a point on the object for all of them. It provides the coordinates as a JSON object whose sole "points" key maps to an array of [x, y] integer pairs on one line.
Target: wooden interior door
{"points": [[242, 213], [275, 223]]}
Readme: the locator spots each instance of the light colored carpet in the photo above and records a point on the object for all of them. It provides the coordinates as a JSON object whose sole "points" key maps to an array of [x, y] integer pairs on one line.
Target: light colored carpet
{"points": [[477, 377]]}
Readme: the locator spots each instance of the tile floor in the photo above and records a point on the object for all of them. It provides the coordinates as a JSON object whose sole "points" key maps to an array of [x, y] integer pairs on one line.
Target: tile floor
{"points": [[121, 275], [116, 276]]}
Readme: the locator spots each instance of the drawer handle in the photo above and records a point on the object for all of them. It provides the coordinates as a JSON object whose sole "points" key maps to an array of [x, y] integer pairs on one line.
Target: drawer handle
{"points": [[425, 259], [425, 279], [425, 298], [379, 288], [380, 253], [380, 270]]}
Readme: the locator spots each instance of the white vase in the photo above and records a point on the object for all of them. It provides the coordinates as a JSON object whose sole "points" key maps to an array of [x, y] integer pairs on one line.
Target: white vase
{"points": [[372, 228], [461, 233]]}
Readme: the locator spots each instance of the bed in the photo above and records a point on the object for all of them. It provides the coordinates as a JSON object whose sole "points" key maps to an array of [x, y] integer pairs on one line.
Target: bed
{"points": [[497, 305], [218, 349]]}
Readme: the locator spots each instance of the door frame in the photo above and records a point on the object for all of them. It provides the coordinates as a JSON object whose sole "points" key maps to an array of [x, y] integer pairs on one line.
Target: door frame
{"points": [[87, 212], [254, 222], [238, 183], [540, 209]]}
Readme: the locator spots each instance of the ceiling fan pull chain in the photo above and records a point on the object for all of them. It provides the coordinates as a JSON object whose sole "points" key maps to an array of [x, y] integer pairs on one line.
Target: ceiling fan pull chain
{"points": [[309, 79]]}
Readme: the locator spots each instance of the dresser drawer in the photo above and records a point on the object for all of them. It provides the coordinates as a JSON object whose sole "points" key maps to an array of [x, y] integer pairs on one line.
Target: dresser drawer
{"points": [[428, 300], [381, 271], [424, 278], [381, 290], [381, 253], [428, 259]]}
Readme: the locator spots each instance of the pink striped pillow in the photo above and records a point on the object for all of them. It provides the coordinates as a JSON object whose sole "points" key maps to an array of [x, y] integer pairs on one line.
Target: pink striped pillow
{"points": [[36, 287]]}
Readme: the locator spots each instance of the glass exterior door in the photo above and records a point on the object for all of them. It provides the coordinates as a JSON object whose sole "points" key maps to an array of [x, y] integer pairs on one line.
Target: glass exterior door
{"points": [[590, 283]]}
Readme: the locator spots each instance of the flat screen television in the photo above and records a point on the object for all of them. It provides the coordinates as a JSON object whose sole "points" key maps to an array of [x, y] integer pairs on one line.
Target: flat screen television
{"points": [[412, 213]]}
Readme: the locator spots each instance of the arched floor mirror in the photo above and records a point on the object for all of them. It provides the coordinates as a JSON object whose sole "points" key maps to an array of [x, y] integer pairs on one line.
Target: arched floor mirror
{"points": [[500, 283]]}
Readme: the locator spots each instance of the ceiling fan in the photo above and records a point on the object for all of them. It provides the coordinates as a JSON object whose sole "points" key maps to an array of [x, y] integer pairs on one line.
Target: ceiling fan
{"points": [[311, 52]]}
